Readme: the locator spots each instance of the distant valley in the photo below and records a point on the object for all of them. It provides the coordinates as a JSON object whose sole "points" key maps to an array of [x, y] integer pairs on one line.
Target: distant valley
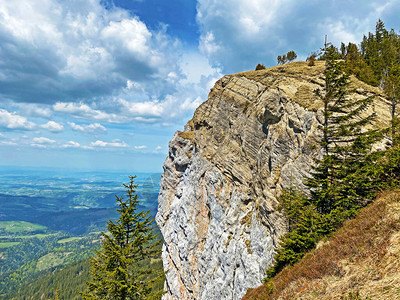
{"points": [[50, 219]]}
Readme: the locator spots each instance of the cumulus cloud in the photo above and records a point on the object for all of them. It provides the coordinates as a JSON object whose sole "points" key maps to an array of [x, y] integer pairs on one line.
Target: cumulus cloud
{"points": [[99, 64], [85, 111], [173, 107], [43, 140], [113, 144], [143, 109], [237, 36], [53, 126], [34, 110], [90, 128], [14, 121], [78, 50], [71, 144]]}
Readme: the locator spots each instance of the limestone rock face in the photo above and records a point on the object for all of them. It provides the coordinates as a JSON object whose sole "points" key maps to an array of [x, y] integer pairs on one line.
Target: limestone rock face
{"points": [[255, 135]]}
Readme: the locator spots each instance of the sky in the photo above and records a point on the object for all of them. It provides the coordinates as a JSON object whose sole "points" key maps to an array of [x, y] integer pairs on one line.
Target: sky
{"points": [[103, 85]]}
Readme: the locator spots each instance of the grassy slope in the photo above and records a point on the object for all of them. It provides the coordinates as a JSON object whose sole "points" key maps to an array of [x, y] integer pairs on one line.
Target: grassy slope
{"points": [[360, 261]]}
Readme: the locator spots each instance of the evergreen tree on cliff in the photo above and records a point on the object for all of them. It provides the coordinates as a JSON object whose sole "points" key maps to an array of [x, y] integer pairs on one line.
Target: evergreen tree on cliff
{"points": [[344, 143], [338, 184], [116, 272]]}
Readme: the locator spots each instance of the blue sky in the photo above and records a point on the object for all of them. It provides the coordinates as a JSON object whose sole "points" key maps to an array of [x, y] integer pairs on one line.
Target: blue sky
{"points": [[105, 84]]}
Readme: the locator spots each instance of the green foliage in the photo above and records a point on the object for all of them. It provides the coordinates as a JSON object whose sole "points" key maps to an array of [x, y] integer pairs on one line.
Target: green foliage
{"points": [[345, 145], [281, 59], [305, 228], [116, 272], [288, 57], [291, 55], [260, 67]]}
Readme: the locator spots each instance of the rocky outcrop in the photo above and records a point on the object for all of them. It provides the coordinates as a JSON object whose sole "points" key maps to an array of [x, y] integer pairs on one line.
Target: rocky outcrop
{"points": [[255, 135]]}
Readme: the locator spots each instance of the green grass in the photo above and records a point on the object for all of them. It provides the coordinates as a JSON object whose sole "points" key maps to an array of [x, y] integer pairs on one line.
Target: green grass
{"points": [[20, 227], [8, 244], [38, 235], [52, 259], [70, 239]]}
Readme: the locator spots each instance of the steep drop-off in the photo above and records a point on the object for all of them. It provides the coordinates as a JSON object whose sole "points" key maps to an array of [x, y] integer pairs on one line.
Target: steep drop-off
{"points": [[255, 135]]}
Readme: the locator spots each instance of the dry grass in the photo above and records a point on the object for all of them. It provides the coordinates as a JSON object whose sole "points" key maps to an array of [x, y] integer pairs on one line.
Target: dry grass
{"points": [[187, 135], [362, 258], [293, 68]]}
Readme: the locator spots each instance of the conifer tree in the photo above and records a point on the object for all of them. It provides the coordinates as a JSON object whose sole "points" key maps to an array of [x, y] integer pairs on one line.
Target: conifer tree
{"points": [[291, 55], [115, 272], [343, 142]]}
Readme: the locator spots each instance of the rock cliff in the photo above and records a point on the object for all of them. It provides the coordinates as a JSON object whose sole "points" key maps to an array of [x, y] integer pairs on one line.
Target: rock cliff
{"points": [[255, 135]]}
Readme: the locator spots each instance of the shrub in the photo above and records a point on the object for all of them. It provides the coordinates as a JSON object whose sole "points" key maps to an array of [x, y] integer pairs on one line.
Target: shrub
{"points": [[260, 67]]}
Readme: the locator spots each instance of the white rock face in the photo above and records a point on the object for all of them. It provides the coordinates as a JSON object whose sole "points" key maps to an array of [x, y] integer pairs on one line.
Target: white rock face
{"points": [[254, 136]]}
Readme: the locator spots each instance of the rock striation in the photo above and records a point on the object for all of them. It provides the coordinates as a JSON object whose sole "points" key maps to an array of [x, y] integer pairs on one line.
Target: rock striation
{"points": [[255, 135]]}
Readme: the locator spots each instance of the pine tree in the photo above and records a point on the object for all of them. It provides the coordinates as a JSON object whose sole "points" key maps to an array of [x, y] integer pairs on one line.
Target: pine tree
{"points": [[116, 271], [291, 55]]}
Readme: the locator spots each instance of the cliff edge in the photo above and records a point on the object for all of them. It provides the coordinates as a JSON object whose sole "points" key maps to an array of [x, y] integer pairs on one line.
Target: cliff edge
{"points": [[255, 135]]}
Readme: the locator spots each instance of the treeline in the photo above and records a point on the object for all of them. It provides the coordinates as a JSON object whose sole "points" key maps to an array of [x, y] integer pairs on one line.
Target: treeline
{"points": [[350, 174], [375, 61]]}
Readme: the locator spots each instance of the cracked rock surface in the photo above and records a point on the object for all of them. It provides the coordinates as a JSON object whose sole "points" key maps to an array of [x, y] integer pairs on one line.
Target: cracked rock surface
{"points": [[255, 135]]}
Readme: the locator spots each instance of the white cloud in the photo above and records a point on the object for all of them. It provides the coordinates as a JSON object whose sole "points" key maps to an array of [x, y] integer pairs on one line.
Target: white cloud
{"points": [[141, 147], [231, 34], [34, 110], [143, 109], [84, 111], [53, 126], [90, 128], [195, 66], [131, 34], [237, 36], [113, 144], [8, 143], [158, 150], [13, 121], [71, 144], [63, 50], [43, 140], [97, 64]]}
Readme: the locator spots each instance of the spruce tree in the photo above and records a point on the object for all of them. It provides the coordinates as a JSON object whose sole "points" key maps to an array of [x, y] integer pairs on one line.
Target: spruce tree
{"points": [[116, 271], [343, 142]]}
